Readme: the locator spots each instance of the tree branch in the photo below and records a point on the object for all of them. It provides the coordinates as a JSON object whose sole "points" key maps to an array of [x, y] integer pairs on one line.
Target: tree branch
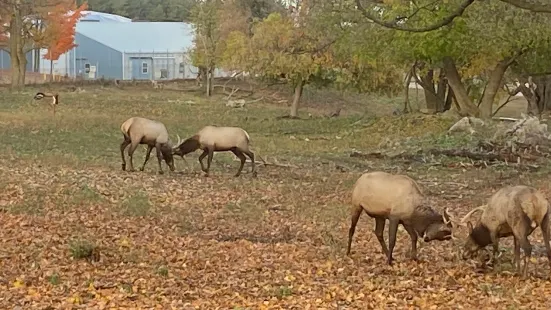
{"points": [[392, 25], [317, 49], [531, 5], [419, 8]]}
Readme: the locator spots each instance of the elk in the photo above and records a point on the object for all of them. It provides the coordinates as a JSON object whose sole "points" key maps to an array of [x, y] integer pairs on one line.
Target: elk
{"points": [[399, 199], [139, 130], [212, 139], [53, 103], [512, 211]]}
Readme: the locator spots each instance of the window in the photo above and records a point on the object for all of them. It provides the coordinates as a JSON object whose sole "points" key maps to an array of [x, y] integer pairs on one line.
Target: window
{"points": [[145, 68], [164, 74], [87, 68], [181, 70]]}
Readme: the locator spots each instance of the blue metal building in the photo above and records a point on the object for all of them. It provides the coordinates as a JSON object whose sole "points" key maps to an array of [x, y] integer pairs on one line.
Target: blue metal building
{"points": [[34, 57], [114, 47], [5, 60], [136, 50]]}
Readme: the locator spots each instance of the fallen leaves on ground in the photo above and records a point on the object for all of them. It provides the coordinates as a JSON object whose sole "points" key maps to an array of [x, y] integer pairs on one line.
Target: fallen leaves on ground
{"points": [[183, 241]]}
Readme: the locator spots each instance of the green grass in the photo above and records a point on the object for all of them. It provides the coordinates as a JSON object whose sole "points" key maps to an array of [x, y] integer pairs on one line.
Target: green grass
{"points": [[137, 204], [81, 248], [86, 127]]}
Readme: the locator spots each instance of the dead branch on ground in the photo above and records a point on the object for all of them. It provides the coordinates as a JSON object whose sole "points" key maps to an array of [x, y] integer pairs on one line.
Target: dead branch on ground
{"points": [[274, 163]]}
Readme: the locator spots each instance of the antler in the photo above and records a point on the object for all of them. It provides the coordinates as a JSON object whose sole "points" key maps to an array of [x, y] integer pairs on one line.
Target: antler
{"points": [[480, 208], [448, 217], [179, 141]]}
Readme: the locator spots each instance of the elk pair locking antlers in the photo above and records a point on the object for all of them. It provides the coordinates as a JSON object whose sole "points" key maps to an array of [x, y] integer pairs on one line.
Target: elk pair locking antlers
{"points": [[210, 139], [512, 211]]}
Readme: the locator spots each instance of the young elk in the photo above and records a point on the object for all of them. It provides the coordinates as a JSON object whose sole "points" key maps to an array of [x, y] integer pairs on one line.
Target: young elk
{"points": [[53, 103], [212, 139], [396, 198], [139, 130], [512, 211]]}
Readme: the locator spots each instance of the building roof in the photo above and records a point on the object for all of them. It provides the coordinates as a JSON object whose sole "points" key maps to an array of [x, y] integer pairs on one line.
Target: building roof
{"points": [[134, 37], [102, 17]]}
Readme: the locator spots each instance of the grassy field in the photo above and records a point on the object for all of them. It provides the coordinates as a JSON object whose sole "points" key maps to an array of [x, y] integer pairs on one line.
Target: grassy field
{"points": [[79, 233]]}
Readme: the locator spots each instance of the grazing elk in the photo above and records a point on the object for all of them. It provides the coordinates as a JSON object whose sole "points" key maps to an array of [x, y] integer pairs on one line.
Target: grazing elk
{"points": [[212, 139], [399, 199], [53, 103], [139, 130], [512, 211]]}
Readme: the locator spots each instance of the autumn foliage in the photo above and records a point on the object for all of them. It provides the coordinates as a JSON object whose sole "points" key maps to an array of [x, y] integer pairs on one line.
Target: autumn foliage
{"points": [[60, 30]]}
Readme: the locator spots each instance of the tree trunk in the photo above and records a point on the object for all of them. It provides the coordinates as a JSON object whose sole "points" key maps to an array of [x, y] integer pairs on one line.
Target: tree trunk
{"points": [[430, 92], [208, 84], [449, 99], [407, 105], [51, 70], [22, 68], [467, 107], [296, 99], [441, 91], [529, 90], [494, 84], [36, 57], [434, 97], [17, 54], [543, 92], [18, 66], [14, 69]]}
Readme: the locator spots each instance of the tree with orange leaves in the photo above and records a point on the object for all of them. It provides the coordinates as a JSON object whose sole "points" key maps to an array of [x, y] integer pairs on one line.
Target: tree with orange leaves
{"points": [[59, 35], [22, 30]]}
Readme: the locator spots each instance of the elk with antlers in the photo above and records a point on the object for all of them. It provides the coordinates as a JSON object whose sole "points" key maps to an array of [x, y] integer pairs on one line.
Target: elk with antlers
{"points": [[139, 130], [399, 199], [512, 211], [212, 139]]}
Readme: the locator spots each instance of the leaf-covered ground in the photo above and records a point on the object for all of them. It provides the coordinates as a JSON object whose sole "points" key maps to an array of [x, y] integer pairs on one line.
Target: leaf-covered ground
{"points": [[76, 232]]}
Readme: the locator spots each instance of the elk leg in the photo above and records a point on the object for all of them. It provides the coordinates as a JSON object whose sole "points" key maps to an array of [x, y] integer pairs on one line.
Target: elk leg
{"points": [[521, 231], [209, 159], [527, 248], [517, 254], [159, 158], [242, 158], [201, 157], [392, 230], [495, 245], [131, 150], [544, 226], [379, 229], [251, 156], [124, 144], [356, 212], [147, 154], [413, 236]]}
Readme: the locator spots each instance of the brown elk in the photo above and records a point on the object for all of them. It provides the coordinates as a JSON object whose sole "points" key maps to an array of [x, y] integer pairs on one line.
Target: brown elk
{"points": [[512, 211], [139, 130], [399, 199], [212, 139]]}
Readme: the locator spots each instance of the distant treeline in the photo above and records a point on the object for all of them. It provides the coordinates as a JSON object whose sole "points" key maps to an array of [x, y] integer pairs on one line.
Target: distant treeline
{"points": [[169, 10]]}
